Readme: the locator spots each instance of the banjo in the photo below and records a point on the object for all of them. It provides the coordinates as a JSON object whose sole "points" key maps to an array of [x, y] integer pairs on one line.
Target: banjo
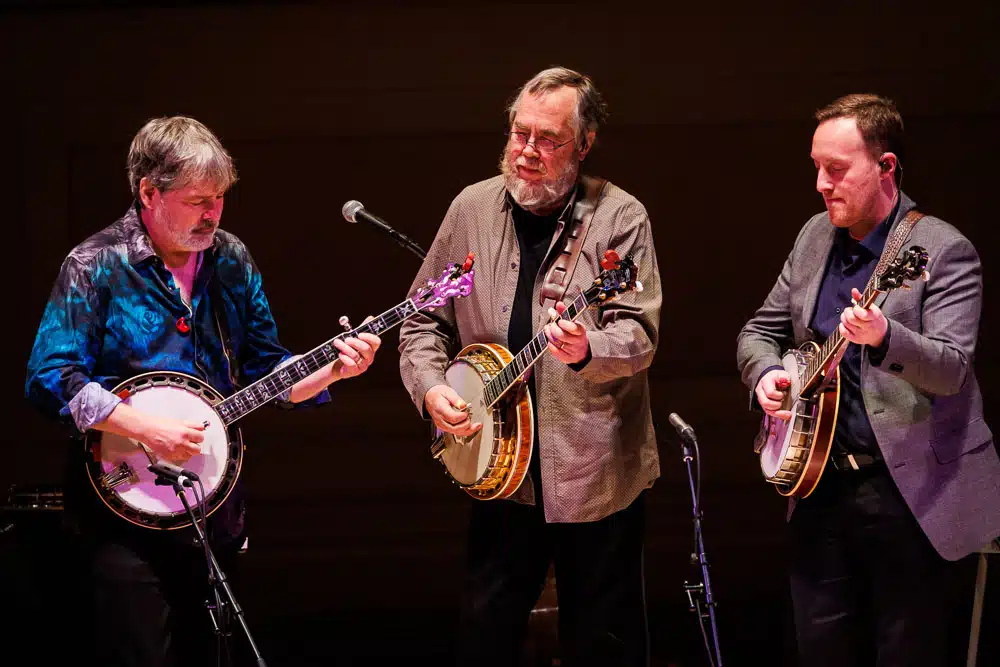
{"points": [[493, 462], [793, 453], [119, 467]]}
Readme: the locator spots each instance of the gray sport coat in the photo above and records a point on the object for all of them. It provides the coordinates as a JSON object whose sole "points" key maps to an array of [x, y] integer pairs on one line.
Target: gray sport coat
{"points": [[923, 400]]}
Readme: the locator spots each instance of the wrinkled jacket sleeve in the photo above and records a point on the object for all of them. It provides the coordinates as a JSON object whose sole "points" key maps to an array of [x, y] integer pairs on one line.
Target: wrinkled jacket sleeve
{"points": [[67, 346], [938, 359], [763, 340], [628, 327], [769, 332], [428, 340]]}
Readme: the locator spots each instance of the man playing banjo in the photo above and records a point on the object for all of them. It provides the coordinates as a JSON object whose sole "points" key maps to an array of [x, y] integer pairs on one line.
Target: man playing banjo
{"points": [[162, 289], [594, 454], [912, 482]]}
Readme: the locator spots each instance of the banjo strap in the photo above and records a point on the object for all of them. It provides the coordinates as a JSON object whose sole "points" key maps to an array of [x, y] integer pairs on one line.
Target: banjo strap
{"points": [[558, 277], [222, 325]]}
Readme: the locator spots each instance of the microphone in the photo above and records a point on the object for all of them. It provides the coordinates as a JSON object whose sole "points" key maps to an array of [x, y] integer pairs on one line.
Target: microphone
{"points": [[355, 210], [683, 430], [174, 473]]}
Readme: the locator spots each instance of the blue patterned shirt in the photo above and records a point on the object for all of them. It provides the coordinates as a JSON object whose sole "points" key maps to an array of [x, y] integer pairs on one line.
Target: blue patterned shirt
{"points": [[115, 312]]}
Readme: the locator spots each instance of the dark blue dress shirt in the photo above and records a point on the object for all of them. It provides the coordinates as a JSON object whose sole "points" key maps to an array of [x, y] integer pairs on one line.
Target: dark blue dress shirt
{"points": [[850, 265], [115, 312]]}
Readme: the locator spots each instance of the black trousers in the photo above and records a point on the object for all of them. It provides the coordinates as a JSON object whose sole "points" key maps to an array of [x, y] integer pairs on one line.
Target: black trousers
{"points": [[149, 600], [867, 586], [599, 584]]}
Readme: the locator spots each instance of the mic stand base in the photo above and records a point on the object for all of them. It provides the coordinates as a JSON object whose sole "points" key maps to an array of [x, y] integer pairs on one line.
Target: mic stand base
{"points": [[219, 583]]}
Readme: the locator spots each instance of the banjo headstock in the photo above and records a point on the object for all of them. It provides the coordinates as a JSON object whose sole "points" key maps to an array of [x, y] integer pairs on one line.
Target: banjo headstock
{"points": [[911, 265], [454, 282], [617, 278]]}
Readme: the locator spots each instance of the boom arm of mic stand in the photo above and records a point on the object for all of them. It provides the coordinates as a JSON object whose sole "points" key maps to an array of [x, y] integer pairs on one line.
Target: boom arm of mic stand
{"points": [[408, 243], [402, 239]]}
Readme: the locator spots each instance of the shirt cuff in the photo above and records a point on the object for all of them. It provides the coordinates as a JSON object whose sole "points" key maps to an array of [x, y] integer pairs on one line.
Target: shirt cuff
{"points": [[876, 355], [765, 372], [92, 405], [754, 404], [578, 366], [284, 399]]}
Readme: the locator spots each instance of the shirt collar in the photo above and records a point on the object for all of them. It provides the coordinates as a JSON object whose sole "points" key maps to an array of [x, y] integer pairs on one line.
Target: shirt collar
{"points": [[874, 241], [140, 248]]}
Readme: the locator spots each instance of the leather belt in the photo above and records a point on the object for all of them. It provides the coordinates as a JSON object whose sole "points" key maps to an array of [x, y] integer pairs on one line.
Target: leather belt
{"points": [[842, 462]]}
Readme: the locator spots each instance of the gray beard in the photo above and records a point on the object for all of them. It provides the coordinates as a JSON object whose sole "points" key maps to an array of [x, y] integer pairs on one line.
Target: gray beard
{"points": [[538, 196], [181, 241]]}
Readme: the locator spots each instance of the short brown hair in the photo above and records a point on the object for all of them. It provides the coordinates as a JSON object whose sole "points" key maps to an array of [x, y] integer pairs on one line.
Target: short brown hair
{"points": [[879, 122], [173, 152]]}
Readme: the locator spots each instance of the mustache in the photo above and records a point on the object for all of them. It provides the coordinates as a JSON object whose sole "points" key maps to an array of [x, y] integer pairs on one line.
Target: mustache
{"points": [[206, 227], [536, 164]]}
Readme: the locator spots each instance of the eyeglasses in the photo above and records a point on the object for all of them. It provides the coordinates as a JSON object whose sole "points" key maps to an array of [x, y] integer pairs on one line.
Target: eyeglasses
{"points": [[543, 145]]}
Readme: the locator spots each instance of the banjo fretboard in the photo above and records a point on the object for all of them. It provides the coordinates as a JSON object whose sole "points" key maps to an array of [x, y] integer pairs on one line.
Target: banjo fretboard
{"points": [[528, 355], [271, 386]]}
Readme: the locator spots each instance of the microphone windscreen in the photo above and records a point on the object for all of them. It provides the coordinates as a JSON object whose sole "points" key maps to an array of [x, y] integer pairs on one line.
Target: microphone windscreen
{"points": [[351, 209]]}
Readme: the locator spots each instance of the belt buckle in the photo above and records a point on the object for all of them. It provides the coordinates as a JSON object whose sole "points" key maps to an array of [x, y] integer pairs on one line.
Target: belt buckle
{"points": [[839, 466]]}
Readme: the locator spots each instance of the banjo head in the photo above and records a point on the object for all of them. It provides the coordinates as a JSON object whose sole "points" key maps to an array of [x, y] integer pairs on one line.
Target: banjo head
{"points": [[118, 466], [468, 458], [794, 453], [779, 432], [493, 462]]}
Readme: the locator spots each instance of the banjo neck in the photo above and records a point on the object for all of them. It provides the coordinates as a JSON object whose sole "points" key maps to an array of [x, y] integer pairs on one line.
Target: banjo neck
{"points": [[822, 364], [455, 282], [529, 354], [272, 385], [888, 275]]}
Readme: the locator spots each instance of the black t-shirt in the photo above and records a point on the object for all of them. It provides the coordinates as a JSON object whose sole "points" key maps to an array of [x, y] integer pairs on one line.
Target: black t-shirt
{"points": [[534, 236]]}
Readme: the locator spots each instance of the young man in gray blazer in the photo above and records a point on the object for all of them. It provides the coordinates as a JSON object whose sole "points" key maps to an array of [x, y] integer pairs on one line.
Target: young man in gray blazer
{"points": [[913, 480]]}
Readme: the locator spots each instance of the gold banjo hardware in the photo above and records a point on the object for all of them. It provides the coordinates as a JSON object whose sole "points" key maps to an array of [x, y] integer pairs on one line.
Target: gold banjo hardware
{"points": [[793, 454], [493, 462]]}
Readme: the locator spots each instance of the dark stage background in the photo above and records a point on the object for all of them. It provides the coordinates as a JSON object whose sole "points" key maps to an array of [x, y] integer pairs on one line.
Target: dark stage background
{"points": [[357, 536]]}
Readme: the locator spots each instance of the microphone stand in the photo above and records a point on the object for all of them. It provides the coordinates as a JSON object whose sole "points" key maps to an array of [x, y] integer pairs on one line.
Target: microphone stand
{"points": [[216, 576], [406, 242], [398, 237], [704, 589]]}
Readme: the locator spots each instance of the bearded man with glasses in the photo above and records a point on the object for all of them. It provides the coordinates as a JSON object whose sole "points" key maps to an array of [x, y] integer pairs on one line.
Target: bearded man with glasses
{"points": [[581, 508]]}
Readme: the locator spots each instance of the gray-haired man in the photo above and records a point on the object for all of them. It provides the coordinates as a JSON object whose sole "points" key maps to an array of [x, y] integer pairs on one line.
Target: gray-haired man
{"points": [[150, 293], [582, 507]]}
